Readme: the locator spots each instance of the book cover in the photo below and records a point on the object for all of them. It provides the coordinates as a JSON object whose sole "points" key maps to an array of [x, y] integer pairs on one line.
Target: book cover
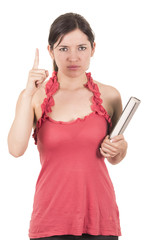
{"points": [[125, 117]]}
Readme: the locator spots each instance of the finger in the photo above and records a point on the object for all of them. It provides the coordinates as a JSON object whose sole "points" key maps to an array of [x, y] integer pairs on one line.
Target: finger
{"points": [[38, 75], [104, 154], [106, 139], [107, 152], [36, 60], [47, 73], [38, 84], [111, 148], [110, 143], [39, 71], [117, 138]]}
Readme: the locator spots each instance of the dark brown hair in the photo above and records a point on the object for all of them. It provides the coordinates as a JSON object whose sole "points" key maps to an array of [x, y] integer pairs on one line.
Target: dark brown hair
{"points": [[66, 23]]}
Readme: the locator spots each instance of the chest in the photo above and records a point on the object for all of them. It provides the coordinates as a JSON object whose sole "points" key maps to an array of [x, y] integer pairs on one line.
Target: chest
{"points": [[69, 105], [76, 137]]}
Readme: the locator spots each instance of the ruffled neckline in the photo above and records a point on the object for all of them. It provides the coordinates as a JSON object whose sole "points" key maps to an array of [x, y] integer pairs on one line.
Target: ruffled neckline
{"points": [[52, 86]]}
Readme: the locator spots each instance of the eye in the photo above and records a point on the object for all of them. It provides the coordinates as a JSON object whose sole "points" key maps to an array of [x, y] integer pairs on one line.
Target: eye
{"points": [[64, 49], [82, 48]]}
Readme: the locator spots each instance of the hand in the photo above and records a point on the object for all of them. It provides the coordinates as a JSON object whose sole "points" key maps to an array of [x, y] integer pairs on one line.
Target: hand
{"points": [[36, 76], [114, 148]]}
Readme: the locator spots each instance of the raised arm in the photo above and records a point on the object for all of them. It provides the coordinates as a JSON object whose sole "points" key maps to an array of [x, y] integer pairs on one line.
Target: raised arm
{"points": [[21, 128]]}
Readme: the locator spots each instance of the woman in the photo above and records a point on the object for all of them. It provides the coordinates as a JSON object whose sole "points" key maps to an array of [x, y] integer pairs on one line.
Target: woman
{"points": [[72, 115]]}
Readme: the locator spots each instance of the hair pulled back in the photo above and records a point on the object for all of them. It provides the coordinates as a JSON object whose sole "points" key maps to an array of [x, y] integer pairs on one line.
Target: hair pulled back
{"points": [[66, 23]]}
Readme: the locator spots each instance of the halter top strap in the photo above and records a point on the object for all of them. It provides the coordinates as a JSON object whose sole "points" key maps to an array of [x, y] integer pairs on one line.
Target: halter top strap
{"points": [[53, 85]]}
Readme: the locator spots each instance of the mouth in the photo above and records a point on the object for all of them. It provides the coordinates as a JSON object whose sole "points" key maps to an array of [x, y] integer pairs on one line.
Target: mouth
{"points": [[73, 67]]}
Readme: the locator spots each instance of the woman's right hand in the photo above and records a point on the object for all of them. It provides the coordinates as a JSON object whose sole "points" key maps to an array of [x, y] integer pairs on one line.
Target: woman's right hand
{"points": [[36, 76]]}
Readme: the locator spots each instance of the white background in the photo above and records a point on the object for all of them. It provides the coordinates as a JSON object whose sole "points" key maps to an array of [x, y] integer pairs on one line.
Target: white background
{"points": [[127, 57]]}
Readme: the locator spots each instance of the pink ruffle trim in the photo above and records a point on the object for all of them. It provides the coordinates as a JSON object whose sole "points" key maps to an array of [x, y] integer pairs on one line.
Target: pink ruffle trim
{"points": [[97, 101], [53, 85], [50, 88]]}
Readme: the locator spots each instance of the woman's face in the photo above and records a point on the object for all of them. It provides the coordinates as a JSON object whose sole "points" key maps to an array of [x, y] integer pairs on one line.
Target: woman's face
{"points": [[73, 54]]}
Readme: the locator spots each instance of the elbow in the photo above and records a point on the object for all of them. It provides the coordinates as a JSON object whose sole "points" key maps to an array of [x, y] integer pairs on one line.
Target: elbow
{"points": [[15, 154], [15, 150]]}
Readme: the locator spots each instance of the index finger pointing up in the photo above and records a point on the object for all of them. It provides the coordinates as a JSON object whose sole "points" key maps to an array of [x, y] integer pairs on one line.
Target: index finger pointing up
{"points": [[36, 60]]}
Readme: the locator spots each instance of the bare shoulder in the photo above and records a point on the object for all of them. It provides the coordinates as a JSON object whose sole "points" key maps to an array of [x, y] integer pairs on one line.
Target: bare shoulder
{"points": [[108, 91], [110, 96]]}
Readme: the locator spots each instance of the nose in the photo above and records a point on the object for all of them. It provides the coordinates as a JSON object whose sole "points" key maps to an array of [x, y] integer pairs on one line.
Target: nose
{"points": [[73, 56]]}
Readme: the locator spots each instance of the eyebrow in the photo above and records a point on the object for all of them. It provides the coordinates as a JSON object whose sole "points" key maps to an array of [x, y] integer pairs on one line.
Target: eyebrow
{"points": [[68, 46]]}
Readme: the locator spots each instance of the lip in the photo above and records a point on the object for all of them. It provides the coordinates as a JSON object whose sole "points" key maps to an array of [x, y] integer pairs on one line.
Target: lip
{"points": [[73, 67]]}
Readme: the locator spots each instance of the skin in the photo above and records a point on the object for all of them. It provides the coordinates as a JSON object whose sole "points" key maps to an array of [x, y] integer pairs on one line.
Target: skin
{"points": [[75, 49], [72, 100]]}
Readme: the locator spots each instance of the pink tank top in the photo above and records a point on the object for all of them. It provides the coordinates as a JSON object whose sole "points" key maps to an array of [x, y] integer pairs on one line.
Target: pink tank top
{"points": [[74, 193]]}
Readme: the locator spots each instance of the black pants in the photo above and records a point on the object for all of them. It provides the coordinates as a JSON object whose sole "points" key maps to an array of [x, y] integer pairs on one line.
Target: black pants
{"points": [[84, 236]]}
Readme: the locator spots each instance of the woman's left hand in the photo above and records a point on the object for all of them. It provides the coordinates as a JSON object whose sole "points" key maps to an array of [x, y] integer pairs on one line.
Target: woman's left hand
{"points": [[115, 149]]}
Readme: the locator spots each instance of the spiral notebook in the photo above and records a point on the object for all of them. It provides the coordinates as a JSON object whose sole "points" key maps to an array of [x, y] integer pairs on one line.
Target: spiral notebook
{"points": [[125, 117]]}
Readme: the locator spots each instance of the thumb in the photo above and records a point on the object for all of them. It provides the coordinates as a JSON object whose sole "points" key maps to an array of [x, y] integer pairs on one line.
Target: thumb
{"points": [[107, 137], [47, 73]]}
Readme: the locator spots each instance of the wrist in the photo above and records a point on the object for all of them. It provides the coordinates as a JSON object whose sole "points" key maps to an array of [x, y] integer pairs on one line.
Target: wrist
{"points": [[117, 159], [27, 94]]}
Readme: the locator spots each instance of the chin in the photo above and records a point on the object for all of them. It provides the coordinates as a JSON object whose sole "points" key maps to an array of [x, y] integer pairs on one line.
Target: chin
{"points": [[74, 73]]}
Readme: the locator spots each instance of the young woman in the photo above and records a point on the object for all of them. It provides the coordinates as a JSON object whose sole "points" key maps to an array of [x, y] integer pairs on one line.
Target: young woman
{"points": [[72, 116]]}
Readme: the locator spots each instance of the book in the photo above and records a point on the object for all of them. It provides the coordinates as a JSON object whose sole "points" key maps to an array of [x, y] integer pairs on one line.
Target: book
{"points": [[125, 117]]}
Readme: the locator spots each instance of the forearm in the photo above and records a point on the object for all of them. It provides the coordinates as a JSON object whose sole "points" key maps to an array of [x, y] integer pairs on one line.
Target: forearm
{"points": [[21, 128]]}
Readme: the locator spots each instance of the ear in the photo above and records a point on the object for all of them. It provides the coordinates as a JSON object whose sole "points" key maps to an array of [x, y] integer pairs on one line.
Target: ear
{"points": [[93, 49], [50, 51]]}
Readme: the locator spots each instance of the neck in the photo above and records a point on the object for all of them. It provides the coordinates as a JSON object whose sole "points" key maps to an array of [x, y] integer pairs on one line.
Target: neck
{"points": [[71, 83]]}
